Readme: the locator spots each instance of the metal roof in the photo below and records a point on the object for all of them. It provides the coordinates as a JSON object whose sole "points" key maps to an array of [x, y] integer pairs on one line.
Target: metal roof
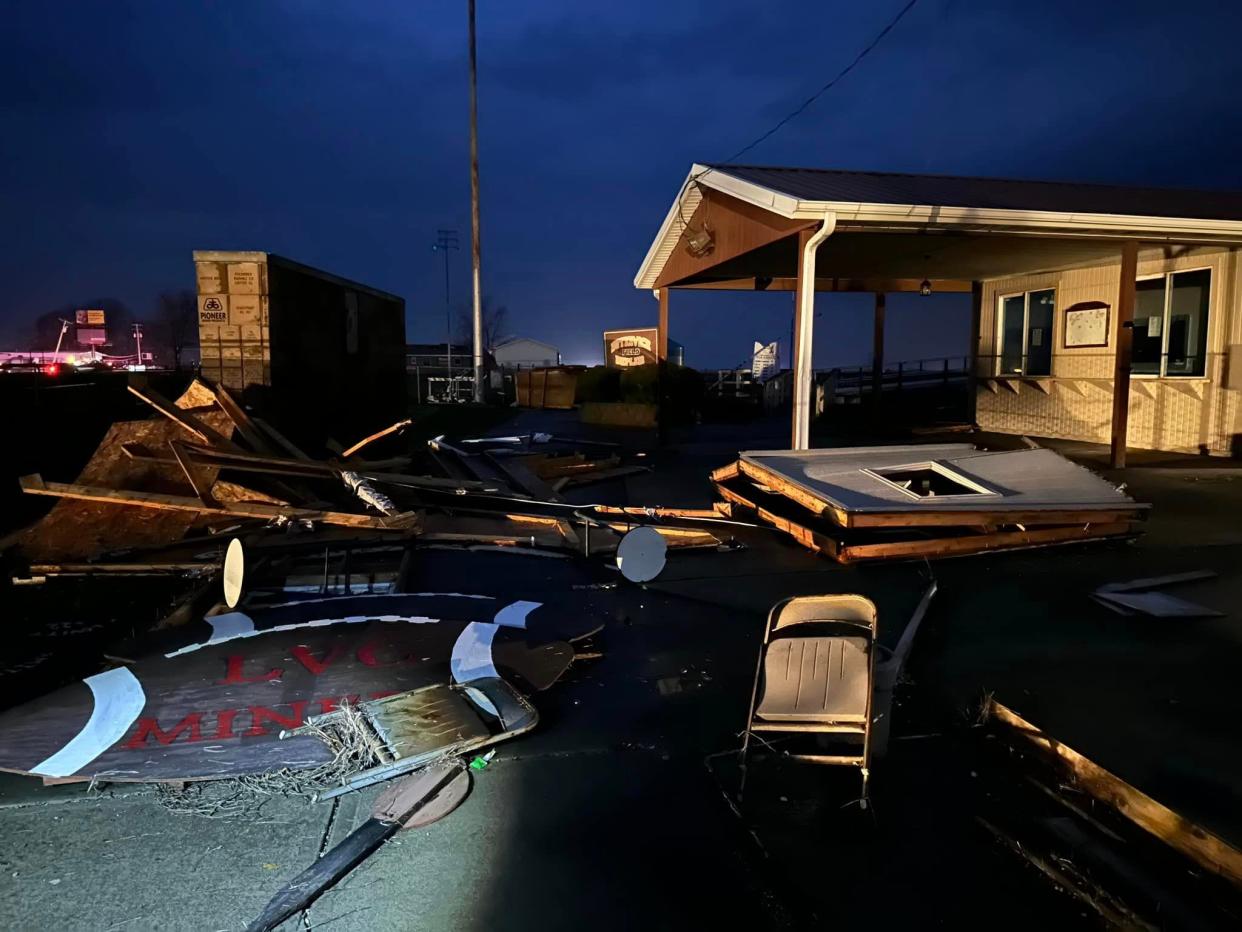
{"points": [[822, 184]]}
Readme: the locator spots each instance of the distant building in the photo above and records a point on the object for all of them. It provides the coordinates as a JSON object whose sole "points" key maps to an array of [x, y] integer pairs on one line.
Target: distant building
{"points": [[525, 353]]}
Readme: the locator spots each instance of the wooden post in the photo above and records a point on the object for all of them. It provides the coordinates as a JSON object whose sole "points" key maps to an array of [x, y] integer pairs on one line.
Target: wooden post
{"points": [[972, 360], [1125, 346], [662, 362], [877, 346], [662, 329]]}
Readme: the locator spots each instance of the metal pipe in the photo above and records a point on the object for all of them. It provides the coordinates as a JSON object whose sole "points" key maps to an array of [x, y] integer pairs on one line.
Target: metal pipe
{"points": [[803, 397]]}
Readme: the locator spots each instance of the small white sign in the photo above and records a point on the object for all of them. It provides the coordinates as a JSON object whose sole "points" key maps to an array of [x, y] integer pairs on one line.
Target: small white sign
{"points": [[1154, 325]]}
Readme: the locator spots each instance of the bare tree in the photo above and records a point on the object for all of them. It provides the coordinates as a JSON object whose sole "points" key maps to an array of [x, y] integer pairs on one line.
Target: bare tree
{"points": [[176, 314], [495, 319]]}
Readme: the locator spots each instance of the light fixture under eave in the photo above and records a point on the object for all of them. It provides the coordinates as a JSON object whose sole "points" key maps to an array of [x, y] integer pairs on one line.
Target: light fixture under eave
{"points": [[700, 242], [925, 287]]}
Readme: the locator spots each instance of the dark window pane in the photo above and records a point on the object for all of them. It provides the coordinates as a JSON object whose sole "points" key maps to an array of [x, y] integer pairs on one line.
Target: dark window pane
{"points": [[1039, 333], [1188, 323], [1148, 326], [1011, 335]]}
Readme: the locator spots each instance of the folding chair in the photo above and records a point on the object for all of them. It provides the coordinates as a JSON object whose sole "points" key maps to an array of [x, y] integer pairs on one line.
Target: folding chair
{"points": [[814, 677]]}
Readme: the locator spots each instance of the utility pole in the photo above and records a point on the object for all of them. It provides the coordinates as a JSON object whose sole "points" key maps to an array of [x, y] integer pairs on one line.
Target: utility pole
{"points": [[138, 340], [447, 240], [476, 248]]}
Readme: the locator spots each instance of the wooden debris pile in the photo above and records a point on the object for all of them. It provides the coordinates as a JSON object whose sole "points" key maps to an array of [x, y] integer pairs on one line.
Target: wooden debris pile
{"points": [[204, 465], [925, 501]]}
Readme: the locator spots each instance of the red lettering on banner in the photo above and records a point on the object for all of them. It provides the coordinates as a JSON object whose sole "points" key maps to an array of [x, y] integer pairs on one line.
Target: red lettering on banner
{"points": [[224, 724], [259, 714], [313, 663], [366, 654], [233, 676], [150, 728]]}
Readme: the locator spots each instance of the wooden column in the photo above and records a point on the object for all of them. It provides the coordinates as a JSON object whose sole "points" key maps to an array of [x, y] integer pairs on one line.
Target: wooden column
{"points": [[877, 346], [972, 359], [662, 362], [662, 327], [801, 374], [1125, 346]]}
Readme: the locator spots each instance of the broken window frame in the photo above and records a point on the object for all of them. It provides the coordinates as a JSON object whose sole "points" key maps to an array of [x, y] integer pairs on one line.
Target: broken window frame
{"points": [[979, 489], [1001, 356]]}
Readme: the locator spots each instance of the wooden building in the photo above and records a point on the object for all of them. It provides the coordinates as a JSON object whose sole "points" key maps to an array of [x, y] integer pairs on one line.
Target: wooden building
{"points": [[1100, 313]]}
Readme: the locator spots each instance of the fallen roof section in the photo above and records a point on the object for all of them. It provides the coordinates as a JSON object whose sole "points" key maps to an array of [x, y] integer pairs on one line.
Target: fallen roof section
{"points": [[935, 484]]}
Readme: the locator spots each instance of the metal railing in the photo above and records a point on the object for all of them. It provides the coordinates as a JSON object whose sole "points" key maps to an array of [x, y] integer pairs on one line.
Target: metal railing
{"points": [[845, 385]]}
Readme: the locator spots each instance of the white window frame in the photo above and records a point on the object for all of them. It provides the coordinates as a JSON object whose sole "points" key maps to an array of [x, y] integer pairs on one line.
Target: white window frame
{"points": [[1026, 332], [1164, 322], [980, 490]]}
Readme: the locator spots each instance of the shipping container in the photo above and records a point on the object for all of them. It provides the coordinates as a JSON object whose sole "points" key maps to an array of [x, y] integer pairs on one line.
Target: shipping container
{"points": [[323, 354]]}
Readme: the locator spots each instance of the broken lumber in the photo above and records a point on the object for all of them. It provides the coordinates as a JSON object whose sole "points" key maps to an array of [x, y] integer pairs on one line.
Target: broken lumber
{"points": [[249, 431], [1195, 842], [34, 485], [183, 418], [391, 429]]}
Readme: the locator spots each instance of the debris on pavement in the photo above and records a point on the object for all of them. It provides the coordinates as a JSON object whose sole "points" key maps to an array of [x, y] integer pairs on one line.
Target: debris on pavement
{"points": [[1141, 597], [930, 501], [392, 810]]}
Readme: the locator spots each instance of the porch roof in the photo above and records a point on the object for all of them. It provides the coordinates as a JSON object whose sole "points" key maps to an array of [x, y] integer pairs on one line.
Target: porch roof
{"points": [[934, 226]]}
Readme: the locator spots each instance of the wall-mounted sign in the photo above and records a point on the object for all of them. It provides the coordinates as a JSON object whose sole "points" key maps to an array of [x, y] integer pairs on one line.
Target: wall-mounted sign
{"points": [[626, 348], [1086, 324], [764, 359]]}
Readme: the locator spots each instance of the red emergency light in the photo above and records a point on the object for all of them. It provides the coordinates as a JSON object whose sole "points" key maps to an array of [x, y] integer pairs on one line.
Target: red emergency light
{"points": [[52, 368]]}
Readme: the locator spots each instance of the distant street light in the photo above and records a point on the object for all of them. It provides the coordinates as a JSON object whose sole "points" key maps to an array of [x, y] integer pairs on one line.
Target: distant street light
{"points": [[446, 240]]}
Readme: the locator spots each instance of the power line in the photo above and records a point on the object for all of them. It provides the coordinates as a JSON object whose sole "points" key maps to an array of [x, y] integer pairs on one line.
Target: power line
{"points": [[806, 103]]}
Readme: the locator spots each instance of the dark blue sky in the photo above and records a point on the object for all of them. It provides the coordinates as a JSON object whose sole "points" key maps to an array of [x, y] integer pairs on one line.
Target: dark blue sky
{"points": [[335, 133]]}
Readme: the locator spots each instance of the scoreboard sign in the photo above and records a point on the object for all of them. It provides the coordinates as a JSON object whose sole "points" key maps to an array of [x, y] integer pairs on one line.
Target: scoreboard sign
{"points": [[624, 349]]}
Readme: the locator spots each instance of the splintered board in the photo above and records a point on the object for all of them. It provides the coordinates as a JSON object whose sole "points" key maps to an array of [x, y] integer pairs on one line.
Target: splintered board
{"points": [[217, 711]]}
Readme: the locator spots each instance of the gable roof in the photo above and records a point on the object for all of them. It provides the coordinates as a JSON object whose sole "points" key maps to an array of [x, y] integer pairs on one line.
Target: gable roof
{"points": [[823, 184], [888, 202]]}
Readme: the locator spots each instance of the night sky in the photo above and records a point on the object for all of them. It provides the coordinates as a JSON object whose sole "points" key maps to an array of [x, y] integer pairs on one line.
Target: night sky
{"points": [[336, 134]]}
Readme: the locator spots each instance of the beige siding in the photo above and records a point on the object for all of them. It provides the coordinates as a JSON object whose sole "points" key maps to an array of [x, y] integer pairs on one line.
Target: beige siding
{"points": [[1183, 414]]}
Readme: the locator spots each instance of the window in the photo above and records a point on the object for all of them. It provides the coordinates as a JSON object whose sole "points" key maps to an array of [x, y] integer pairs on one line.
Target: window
{"points": [[1025, 329], [929, 480], [1171, 323]]}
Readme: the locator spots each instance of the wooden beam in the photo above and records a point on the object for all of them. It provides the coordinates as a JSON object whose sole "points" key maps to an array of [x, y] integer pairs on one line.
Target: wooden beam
{"points": [[877, 346], [194, 474], [365, 441], [1125, 347], [34, 485], [972, 361], [662, 326], [887, 285], [182, 417], [1179, 833], [249, 431], [281, 440]]}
